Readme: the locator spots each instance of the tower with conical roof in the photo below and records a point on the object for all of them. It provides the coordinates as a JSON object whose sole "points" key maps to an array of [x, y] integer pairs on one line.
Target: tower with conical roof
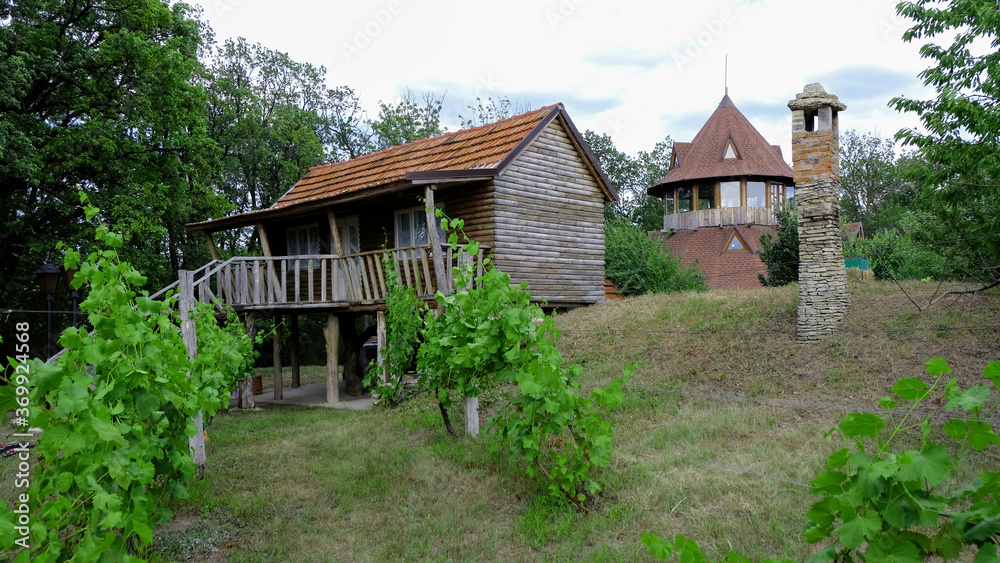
{"points": [[720, 194]]}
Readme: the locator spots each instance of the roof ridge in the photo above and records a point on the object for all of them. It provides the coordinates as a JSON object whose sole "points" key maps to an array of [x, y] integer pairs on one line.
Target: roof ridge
{"points": [[543, 109]]}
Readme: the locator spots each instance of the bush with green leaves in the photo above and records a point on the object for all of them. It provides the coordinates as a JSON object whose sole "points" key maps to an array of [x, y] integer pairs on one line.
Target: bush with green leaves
{"points": [[489, 331], [896, 256], [117, 409], [404, 317], [781, 254], [639, 264], [882, 505]]}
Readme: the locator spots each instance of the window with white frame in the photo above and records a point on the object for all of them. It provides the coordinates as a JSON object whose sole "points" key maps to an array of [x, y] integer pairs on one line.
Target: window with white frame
{"points": [[303, 240], [411, 228]]}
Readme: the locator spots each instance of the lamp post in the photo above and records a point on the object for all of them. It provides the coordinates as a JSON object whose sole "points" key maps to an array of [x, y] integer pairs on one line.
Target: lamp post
{"points": [[48, 279], [73, 293]]}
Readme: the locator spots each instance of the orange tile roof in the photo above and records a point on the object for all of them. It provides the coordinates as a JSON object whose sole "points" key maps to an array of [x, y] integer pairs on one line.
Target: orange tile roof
{"points": [[478, 148], [478, 151], [703, 156]]}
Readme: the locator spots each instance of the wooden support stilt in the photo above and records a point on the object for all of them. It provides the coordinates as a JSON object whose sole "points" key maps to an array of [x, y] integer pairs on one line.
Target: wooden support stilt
{"points": [[276, 346], [186, 303], [332, 335], [294, 352], [382, 342], [246, 384], [212, 249]]}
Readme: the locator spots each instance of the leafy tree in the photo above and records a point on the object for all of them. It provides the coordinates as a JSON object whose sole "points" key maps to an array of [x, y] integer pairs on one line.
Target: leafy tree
{"points": [[262, 112], [347, 132], [98, 96], [631, 176], [781, 254], [407, 119], [868, 176], [961, 123], [639, 264]]}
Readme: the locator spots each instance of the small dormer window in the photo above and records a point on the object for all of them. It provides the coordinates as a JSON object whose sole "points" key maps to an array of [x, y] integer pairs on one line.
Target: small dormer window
{"points": [[677, 161], [736, 243], [730, 151]]}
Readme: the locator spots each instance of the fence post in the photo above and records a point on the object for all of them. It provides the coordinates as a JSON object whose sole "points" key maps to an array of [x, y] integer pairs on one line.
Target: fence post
{"points": [[186, 303]]}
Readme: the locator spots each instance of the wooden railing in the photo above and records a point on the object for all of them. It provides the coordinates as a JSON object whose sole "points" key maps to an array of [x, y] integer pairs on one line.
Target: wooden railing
{"points": [[720, 217], [320, 279]]}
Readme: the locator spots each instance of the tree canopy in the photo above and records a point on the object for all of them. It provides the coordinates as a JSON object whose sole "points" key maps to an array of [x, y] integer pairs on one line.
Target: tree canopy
{"points": [[631, 176], [960, 140], [100, 97]]}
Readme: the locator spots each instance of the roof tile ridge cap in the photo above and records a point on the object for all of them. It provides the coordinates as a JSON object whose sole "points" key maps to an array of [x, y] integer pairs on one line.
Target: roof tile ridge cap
{"points": [[543, 109]]}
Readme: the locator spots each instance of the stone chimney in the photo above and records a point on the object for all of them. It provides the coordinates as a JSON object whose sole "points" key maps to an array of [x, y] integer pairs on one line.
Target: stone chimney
{"points": [[823, 297]]}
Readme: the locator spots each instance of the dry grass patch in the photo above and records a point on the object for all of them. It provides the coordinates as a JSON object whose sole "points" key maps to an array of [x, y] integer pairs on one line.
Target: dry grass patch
{"points": [[743, 342]]}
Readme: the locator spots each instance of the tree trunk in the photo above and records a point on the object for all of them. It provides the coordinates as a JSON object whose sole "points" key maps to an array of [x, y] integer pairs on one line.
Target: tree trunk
{"points": [[447, 419]]}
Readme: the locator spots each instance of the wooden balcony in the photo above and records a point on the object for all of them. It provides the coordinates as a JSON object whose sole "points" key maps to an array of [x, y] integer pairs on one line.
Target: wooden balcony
{"points": [[721, 217], [323, 281]]}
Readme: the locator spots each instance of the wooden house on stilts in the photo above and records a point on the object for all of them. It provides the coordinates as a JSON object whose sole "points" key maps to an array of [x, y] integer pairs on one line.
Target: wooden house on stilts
{"points": [[527, 187]]}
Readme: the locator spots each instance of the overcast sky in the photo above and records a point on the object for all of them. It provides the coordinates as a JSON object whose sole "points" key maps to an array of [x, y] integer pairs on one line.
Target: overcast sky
{"points": [[638, 71]]}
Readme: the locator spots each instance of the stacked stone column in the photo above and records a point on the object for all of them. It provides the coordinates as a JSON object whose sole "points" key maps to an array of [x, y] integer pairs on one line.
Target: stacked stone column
{"points": [[823, 297]]}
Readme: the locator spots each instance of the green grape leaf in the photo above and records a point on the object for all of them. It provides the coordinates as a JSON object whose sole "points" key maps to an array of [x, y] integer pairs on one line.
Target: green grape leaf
{"points": [[814, 532], [900, 552], [856, 531], [981, 434], [657, 547], [837, 459], [861, 424], [829, 482], [932, 463], [887, 403], [910, 389], [956, 429], [992, 372], [828, 555], [983, 530], [937, 366], [824, 512], [970, 400], [987, 554]]}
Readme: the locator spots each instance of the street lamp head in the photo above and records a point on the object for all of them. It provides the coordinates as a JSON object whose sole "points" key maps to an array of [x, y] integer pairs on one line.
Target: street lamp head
{"points": [[68, 274], [48, 277]]}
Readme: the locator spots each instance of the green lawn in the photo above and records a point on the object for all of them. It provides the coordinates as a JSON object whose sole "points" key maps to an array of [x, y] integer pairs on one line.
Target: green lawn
{"points": [[721, 429]]}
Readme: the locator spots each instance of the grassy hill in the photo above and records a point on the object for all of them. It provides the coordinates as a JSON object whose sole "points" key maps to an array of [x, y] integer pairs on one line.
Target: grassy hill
{"points": [[743, 342], [721, 431]]}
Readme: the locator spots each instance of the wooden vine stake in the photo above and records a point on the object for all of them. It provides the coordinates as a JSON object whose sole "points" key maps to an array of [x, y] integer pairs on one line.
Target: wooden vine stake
{"points": [[472, 416], [190, 335]]}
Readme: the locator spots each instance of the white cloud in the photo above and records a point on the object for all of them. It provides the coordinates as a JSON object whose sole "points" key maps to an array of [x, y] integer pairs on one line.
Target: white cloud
{"points": [[636, 70]]}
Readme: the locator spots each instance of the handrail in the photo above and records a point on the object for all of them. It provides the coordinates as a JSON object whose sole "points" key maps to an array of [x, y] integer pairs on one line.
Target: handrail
{"points": [[177, 283]]}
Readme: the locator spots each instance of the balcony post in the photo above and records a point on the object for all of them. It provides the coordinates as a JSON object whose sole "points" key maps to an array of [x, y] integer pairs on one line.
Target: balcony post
{"points": [[443, 278]]}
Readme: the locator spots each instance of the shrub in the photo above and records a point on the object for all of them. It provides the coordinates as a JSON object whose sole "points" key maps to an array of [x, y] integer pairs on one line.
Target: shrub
{"points": [[781, 254], [897, 256], [638, 264]]}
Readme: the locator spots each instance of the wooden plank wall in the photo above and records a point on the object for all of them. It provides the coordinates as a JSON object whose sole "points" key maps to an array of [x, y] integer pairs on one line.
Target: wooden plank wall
{"points": [[473, 204], [550, 222]]}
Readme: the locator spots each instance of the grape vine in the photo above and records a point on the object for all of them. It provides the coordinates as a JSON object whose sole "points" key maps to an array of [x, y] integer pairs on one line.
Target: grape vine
{"points": [[879, 505], [116, 410]]}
